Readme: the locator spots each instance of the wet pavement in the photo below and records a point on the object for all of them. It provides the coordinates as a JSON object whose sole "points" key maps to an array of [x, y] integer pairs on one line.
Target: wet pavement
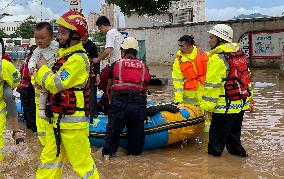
{"points": [[262, 136]]}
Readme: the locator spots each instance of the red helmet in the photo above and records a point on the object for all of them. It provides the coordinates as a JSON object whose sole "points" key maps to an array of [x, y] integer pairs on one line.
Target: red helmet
{"points": [[75, 21]]}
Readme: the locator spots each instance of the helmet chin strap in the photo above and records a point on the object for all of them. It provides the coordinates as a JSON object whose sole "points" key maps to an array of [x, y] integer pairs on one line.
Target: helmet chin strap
{"points": [[67, 43]]}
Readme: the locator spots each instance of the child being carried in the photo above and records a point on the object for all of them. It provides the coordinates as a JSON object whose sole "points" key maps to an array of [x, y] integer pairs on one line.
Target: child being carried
{"points": [[48, 48]]}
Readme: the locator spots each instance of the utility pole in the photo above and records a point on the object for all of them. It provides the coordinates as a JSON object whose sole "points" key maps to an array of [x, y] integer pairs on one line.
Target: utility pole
{"points": [[41, 10]]}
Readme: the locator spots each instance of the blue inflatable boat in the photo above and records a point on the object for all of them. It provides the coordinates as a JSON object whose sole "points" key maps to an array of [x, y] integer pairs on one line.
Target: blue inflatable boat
{"points": [[161, 129]]}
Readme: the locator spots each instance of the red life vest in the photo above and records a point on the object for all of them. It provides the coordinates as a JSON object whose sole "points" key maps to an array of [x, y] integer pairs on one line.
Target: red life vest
{"points": [[130, 74], [7, 57], [194, 71], [64, 102], [238, 80], [25, 76]]}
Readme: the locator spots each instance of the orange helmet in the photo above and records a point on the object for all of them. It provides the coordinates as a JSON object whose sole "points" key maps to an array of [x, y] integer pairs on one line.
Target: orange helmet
{"points": [[75, 21]]}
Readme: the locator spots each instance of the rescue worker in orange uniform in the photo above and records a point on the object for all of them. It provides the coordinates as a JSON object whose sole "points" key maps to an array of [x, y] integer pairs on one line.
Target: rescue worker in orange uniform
{"points": [[128, 77], [67, 84], [189, 72]]}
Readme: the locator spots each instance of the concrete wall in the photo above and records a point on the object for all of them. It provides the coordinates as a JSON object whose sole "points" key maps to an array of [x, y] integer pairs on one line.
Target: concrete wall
{"points": [[161, 42], [135, 21]]}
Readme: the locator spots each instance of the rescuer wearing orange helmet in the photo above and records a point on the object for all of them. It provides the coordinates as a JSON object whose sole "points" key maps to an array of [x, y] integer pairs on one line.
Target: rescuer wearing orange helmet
{"points": [[67, 83]]}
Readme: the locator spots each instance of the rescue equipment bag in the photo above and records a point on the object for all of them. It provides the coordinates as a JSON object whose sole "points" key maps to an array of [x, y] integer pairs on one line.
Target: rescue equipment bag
{"points": [[238, 79], [64, 102]]}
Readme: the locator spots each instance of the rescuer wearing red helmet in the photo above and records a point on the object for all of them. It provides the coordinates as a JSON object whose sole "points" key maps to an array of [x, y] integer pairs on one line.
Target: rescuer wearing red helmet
{"points": [[67, 83]]}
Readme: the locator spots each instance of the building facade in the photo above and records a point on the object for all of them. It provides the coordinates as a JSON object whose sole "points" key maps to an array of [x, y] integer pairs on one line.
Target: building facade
{"points": [[9, 24], [181, 12], [110, 11], [92, 18]]}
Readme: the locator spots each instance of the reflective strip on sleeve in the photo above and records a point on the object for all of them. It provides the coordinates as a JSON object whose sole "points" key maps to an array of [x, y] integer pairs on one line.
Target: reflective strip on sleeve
{"points": [[52, 165], [212, 85], [2, 110], [1, 150], [226, 63], [210, 99], [86, 60], [41, 133], [90, 173], [189, 100], [178, 79], [57, 81], [44, 78], [178, 89], [73, 119]]}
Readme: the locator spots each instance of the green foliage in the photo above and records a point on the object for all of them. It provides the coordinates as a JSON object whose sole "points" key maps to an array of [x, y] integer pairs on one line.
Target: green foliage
{"points": [[3, 34], [141, 7], [100, 37], [25, 30]]}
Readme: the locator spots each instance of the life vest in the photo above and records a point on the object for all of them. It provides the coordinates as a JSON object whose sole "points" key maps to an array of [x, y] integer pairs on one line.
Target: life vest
{"points": [[7, 57], [194, 71], [130, 74], [238, 80], [25, 76], [64, 102]]}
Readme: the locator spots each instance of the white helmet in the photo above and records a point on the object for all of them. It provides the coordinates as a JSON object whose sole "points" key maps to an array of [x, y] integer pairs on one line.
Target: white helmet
{"points": [[32, 42], [130, 42], [223, 31]]}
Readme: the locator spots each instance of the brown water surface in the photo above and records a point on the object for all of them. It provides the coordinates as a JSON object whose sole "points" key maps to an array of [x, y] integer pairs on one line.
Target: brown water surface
{"points": [[262, 136]]}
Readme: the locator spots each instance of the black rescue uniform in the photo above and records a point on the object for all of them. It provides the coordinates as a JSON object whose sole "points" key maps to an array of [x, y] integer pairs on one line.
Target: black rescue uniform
{"points": [[128, 105]]}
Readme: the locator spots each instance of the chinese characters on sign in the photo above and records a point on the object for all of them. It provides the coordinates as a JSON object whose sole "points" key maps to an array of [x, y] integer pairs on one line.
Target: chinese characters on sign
{"points": [[267, 44], [75, 5]]}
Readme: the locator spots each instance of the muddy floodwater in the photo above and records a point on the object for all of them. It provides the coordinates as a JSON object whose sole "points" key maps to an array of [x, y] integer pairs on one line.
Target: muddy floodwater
{"points": [[262, 136]]}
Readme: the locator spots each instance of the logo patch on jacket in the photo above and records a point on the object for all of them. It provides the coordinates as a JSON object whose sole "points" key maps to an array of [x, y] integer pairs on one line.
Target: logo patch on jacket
{"points": [[15, 75], [64, 75]]}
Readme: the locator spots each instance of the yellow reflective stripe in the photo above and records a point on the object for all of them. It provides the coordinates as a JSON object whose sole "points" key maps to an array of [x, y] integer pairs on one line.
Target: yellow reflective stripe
{"points": [[44, 78], [41, 133], [189, 100], [57, 81], [2, 110], [210, 99], [52, 165], [177, 79], [90, 173], [73, 119], [212, 85], [178, 89]]}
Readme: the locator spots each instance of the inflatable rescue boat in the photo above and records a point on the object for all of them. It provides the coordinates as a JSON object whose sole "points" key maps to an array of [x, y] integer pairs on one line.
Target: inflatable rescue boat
{"points": [[161, 129]]}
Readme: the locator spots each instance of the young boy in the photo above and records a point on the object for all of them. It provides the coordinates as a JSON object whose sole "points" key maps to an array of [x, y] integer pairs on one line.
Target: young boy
{"points": [[49, 50]]}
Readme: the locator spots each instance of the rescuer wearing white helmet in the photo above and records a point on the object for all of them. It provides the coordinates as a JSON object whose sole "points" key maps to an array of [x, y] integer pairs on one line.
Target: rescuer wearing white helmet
{"points": [[128, 80], [224, 96]]}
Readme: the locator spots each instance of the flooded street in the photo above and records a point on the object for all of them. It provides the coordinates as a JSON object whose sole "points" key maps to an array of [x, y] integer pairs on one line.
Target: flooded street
{"points": [[262, 136]]}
